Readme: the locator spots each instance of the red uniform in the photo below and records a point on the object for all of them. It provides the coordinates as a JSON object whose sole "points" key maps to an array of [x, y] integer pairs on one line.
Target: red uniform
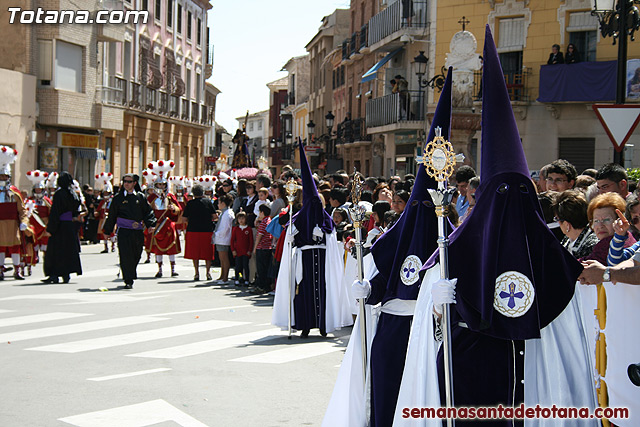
{"points": [[101, 213], [164, 240], [43, 208], [242, 241]]}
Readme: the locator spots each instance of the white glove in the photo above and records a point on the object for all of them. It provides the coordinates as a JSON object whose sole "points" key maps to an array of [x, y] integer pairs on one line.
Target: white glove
{"points": [[290, 238], [317, 232], [23, 226], [361, 289], [443, 292]]}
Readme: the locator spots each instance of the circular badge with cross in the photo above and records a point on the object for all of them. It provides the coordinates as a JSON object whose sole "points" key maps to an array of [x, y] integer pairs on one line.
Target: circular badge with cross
{"points": [[410, 270], [514, 294]]}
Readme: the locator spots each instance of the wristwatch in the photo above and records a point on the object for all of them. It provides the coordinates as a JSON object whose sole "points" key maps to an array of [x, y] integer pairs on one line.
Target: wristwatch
{"points": [[606, 276]]}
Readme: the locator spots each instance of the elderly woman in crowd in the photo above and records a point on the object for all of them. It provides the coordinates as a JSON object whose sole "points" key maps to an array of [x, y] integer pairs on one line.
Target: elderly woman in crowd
{"points": [[570, 210], [602, 214], [63, 251], [199, 213]]}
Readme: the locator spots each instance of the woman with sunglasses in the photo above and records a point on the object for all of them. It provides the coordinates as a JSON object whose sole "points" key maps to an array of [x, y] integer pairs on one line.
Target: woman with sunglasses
{"points": [[570, 210], [602, 214]]}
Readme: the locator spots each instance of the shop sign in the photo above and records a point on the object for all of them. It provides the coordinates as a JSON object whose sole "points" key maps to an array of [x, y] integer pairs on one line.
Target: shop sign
{"points": [[78, 140]]}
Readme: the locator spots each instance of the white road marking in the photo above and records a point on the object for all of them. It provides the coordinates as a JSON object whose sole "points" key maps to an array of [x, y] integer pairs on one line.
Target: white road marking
{"points": [[6, 311], [54, 331], [138, 415], [209, 346], [85, 297], [129, 374], [137, 337], [292, 353], [36, 318], [204, 310]]}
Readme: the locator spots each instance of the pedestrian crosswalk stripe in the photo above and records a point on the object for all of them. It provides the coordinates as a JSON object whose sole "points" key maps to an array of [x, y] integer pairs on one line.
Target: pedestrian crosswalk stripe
{"points": [[212, 345], [36, 318], [138, 415], [54, 331], [6, 311], [292, 353], [137, 337], [129, 374]]}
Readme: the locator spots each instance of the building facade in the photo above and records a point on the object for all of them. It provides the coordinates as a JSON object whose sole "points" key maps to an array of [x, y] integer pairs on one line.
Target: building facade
{"points": [[279, 125], [115, 97], [258, 133]]}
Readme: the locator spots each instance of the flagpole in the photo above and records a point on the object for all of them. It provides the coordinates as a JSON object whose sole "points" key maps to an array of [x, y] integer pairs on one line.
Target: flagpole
{"points": [[358, 214], [291, 188], [439, 160]]}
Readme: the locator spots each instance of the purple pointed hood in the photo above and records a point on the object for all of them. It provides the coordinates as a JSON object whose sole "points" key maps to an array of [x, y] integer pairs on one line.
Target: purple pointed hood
{"points": [[414, 236], [312, 212], [514, 277]]}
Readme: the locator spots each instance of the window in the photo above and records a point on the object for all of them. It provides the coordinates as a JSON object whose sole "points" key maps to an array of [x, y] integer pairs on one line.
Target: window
{"points": [[108, 149], [199, 31], [189, 21], [251, 127], [45, 62], [170, 13], [167, 151], [260, 125], [511, 36], [158, 10], [145, 4], [155, 151], [198, 88], [582, 31], [580, 152], [187, 93], [179, 25], [68, 70], [142, 164]]}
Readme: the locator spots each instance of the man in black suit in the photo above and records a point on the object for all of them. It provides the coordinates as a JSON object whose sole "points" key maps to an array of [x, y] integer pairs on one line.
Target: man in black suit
{"points": [[555, 57]]}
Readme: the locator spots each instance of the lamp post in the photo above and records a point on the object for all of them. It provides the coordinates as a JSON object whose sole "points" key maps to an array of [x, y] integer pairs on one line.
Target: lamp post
{"points": [[437, 82], [618, 21], [310, 129], [329, 118]]}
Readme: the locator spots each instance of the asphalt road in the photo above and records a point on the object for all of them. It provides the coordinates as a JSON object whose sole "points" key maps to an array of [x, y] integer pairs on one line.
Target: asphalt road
{"points": [[170, 352]]}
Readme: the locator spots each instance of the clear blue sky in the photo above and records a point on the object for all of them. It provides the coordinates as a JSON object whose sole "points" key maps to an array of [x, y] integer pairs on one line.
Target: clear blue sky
{"points": [[252, 40]]}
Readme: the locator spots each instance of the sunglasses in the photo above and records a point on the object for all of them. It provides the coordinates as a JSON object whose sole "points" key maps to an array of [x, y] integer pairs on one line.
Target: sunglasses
{"points": [[635, 220], [128, 182]]}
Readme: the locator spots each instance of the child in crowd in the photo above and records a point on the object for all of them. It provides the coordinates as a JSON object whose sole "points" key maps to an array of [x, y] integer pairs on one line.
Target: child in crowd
{"points": [[262, 249], [263, 199], [241, 247]]}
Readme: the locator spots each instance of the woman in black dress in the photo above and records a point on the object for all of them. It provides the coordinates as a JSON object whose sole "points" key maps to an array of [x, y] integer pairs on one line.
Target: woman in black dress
{"points": [[63, 251]]}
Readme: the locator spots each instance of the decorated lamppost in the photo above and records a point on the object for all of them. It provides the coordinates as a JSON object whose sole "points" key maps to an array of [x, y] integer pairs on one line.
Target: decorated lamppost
{"points": [[618, 20], [439, 160]]}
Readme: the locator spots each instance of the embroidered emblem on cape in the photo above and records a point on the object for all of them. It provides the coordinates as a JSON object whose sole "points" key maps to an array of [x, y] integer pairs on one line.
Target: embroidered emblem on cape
{"points": [[410, 270], [514, 294]]}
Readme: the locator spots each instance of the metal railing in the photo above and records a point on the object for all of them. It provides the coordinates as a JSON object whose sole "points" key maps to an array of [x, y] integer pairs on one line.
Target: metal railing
{"points": [[395, 17], [195, 112], [354, 45], [163, 107], [352, 130], [112, 94], [204, 115], [395, 108], [345, 49], [136, 96], [174, 106], [364, 39], [517, 85], [150, 101], [184, 109]]}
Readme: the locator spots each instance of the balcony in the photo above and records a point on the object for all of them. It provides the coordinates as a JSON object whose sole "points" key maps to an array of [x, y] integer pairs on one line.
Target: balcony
{"points": [[136, 96], [386, 28], [163, 108], [345, 50], [364, 39], [174, 106], [517, 85], [581, 82], [184, 109], [111, 32], [204, 115], [352, 131], [115, 92], [195, 112], [150, 100], [404, 110], [208, 68], [354, 44]]}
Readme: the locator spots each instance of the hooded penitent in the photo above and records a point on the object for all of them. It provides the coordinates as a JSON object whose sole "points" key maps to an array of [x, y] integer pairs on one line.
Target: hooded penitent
{"points": [[312, 213], [514, 277]]}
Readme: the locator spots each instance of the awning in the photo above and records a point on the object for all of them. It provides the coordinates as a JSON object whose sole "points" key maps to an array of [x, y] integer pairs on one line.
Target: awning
{"points": [[373, 72]]}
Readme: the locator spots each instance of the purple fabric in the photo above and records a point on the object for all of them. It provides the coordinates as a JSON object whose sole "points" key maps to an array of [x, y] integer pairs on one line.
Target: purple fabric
{"points": [[416, 231], [312, 212], [506, 230], [129, 224], [66, 216], [310, 301], [581, 82]]}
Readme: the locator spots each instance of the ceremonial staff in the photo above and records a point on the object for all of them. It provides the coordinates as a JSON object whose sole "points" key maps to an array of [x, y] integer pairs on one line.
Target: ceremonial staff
{"points": [[291, 187], [439, 160], [357, 215]]}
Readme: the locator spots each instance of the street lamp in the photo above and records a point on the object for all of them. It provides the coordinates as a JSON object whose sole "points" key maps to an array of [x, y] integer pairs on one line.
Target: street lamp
{"points": [[311, 128], [618, 21], [329, 118], [437, 82]]}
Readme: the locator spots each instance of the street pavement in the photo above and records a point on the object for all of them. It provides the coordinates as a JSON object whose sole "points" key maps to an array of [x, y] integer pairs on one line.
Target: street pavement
{"points": [[170, 352]]}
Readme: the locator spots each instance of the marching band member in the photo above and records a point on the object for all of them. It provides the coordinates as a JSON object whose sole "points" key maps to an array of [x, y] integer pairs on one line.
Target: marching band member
{"points": [[164, 239], [13, 218], [51, 185], [101, 213], [42, 204]]}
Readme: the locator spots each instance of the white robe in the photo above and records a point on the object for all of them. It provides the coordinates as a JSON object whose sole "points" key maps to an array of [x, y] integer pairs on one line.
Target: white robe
{"points": [[338, 310], [557, 366]]}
